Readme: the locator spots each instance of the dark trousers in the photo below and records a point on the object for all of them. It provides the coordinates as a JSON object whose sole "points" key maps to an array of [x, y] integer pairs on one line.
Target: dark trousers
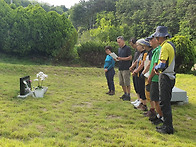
{"points": [[165, 93], [141, 85], [110, 79], [135, 83]]}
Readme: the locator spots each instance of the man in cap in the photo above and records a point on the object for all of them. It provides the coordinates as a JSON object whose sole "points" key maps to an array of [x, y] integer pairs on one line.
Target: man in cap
{"points": [[167, 77], [153, 80]]}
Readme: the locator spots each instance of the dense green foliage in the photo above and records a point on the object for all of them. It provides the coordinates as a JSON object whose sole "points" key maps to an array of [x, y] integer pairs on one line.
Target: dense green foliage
{"points": [[24, 3], [185, 57], [33, 31], [138, 18], [92, 53], [83, 15]]}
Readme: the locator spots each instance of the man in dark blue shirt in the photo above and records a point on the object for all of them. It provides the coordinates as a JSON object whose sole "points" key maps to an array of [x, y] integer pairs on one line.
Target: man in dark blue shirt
{"points": [[124, 57]]}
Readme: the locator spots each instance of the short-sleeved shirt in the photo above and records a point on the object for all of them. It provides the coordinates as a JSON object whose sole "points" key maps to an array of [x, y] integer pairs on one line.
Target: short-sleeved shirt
{"points": [[148, 58], [147, 61], [136, 55], [140, 59], [124, 52], [155, 59], [167, 52]]}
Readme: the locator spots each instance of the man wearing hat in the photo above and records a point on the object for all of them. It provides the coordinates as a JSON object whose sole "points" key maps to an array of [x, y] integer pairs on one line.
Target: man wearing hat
{"points": [[153, 80], [165, 68]]}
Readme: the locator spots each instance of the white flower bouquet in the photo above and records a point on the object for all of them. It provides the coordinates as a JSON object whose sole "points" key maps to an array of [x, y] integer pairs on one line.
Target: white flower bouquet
{"points": [[40, 78], [40, 90]]}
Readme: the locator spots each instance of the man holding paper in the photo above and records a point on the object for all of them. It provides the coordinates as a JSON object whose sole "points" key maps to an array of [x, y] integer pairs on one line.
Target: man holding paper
{"points": [[124, 57]]}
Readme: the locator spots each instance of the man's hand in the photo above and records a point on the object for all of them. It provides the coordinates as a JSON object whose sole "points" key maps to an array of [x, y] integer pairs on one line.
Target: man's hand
{"points": [[142, 75], [119, 58], [134, 73], [149, 80], [125, 58], [156, 72], [106, 70], [131, 69]]}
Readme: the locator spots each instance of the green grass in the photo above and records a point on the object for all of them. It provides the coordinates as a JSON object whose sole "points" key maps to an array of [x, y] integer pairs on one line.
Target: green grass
{"points": [[75, 111]]}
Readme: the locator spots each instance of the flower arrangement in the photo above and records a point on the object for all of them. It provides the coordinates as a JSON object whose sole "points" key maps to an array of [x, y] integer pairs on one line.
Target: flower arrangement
{"points": [[38, 91], [40, 78]]}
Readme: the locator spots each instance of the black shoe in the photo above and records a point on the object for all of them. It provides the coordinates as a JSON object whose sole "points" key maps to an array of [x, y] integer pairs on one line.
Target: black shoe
{"points": [[157, 122], [160, 127], [123, 96], [143, 107], [165, 130], [150, 114], [153, 118], [112, 92], [108, 92], [127, 98]]}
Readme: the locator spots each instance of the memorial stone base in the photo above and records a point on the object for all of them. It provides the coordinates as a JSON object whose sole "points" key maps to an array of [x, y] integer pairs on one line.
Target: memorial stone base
{"points": [[179, 96]]}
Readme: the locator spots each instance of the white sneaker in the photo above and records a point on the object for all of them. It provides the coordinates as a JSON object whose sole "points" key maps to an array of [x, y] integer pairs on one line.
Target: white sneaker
{"points": [[137, 104], [135, 101]]}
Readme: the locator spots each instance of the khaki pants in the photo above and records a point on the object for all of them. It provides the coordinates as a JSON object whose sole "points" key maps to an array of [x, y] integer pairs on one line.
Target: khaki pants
{"points": [[124, 77]]}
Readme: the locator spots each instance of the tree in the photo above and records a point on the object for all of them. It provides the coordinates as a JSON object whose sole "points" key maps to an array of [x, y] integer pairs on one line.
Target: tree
{"points": [[33, 31], [6, 17], [107, 31], [84, 14], [185, 54]]}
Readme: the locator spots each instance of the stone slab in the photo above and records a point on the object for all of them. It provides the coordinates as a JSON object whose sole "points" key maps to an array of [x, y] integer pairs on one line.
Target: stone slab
{"points": [[179, 95]]}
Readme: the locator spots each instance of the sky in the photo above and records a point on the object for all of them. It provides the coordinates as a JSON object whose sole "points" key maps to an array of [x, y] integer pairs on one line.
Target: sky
{"points": [[67, 3]]}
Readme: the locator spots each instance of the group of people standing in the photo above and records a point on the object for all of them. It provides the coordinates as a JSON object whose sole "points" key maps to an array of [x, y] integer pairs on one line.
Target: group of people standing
{"points": [[152, 70]]}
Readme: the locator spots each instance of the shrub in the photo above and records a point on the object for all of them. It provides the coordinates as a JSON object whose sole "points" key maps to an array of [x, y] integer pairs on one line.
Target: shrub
{"points": [[93, 52], [185, 54], [31, 31]]}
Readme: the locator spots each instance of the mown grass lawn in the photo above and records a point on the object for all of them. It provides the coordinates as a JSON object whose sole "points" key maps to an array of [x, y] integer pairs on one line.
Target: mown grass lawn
{"points": [[75, 111]]}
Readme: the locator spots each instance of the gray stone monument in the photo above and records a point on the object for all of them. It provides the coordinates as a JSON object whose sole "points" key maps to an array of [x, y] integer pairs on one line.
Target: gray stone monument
{"points": [[179, 96]]}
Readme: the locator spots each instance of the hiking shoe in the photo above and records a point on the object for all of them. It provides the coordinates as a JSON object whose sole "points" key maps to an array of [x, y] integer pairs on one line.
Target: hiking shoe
{"points": [[108, 92], [160, 127], [165, 130], [112, 92], [142, 107], [157, 122], [147, 114], [135, 101], [153, 118], [127, 98], [151, 114], [123, 96]]}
